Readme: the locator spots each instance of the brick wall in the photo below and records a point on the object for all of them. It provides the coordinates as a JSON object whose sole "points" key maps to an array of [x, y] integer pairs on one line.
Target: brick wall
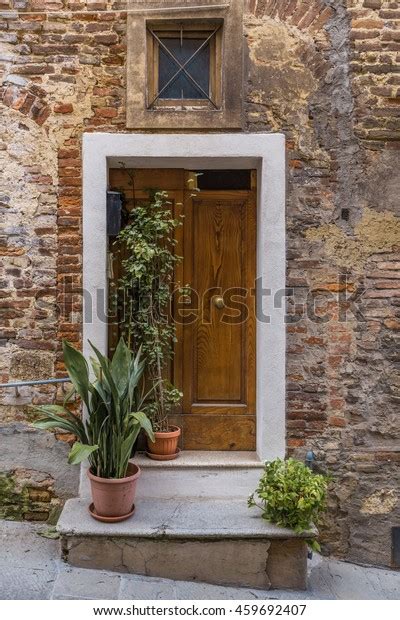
{"points": [[327, 74]]}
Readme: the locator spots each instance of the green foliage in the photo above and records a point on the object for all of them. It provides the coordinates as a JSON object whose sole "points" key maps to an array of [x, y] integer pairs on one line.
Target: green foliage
{"points": [[114, 400], [291, 495], [50, 533], [146, 287]]}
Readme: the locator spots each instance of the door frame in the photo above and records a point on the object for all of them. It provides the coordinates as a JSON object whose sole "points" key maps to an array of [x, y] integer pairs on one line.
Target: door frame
{"points": [[263, 152]]}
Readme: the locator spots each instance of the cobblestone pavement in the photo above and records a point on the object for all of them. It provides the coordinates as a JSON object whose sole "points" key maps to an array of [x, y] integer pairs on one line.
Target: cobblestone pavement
{"points": [[30, 568]]}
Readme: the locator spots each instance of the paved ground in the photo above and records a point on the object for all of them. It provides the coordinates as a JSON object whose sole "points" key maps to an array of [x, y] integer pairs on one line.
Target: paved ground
{"points": [[30, 568]]}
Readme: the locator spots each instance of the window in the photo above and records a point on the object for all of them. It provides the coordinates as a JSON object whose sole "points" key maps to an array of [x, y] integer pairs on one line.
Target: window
{"points": [[184, 64]]}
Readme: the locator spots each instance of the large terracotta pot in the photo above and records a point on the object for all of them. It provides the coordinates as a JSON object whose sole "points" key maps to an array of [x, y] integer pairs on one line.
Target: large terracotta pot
{"points": [[165, 446], [113, 497]]}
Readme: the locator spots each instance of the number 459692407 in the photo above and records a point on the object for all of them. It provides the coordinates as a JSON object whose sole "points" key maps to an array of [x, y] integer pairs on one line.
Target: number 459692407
{"points": [[270, 610]]}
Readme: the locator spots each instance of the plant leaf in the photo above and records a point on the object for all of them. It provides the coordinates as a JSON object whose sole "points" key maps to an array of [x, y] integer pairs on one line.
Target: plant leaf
{"points": [[51, 420], [58, 410], [51, 533], [69, 395], [104, 363], [96, 368], [51, 424], [126, 450], [145, 424], [80, 452], [46, 425], [78, 370], [120, 365]]}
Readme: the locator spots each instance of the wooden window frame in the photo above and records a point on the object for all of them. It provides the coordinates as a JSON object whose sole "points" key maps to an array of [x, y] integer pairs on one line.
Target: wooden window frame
{"points": [[192, 29]]}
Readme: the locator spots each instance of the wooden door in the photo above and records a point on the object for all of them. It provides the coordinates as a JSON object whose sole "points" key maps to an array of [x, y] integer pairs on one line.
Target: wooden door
{"points": [[217, 356], [215, 353]]}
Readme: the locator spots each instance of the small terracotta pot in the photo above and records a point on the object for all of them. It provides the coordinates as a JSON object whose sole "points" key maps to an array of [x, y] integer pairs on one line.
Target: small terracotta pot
{"points": [[165, 445], [114, 497]]}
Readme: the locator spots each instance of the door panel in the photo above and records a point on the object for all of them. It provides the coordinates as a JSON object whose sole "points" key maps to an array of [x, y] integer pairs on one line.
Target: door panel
{"points": [[217, 231], [218, 432], [219, 347]]}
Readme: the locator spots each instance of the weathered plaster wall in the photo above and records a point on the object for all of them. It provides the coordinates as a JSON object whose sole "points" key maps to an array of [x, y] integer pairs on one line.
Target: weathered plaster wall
{"points": [[335, 92], [327, 74]]}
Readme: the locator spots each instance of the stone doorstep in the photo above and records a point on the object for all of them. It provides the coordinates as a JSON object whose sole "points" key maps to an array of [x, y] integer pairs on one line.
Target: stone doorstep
{"points": [[194, 473], [210, 540], [199, 459]]}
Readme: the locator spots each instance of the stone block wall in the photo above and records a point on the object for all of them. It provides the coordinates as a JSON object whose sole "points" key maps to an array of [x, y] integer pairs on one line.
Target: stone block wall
{"points": [[327, 74]]}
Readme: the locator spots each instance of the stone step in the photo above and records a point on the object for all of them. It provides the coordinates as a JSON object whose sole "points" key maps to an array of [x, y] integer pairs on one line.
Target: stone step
{"points": [[195, 474], [216, 541]]}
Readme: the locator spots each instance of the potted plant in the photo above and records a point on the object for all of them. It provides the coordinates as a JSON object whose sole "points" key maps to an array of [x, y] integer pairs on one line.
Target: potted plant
{"points": [[106, 436], [291, 495], [146, 286]]}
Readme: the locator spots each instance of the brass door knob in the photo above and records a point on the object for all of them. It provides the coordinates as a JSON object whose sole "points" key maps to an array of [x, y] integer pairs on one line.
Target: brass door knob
{"points": [[219, 302]]}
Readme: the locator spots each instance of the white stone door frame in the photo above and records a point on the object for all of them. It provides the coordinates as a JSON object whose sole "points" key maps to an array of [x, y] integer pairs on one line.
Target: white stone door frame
{"points": [[263, 152]]}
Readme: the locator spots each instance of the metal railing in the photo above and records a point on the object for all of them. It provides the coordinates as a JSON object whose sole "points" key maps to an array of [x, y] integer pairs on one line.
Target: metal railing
{"points": [[18, 384]]}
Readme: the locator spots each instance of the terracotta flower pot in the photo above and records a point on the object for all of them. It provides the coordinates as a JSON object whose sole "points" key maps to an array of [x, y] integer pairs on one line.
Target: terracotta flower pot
{"points": [[113, 497], [165, 447]]}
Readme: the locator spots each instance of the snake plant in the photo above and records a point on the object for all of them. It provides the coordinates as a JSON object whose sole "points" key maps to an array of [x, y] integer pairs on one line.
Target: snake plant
{"points": [[113, 399]]}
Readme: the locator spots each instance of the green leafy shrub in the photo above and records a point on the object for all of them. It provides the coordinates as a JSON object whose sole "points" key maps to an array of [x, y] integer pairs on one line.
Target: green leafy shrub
{"points": [[113, 402], [146, 286], [291, 495]]}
